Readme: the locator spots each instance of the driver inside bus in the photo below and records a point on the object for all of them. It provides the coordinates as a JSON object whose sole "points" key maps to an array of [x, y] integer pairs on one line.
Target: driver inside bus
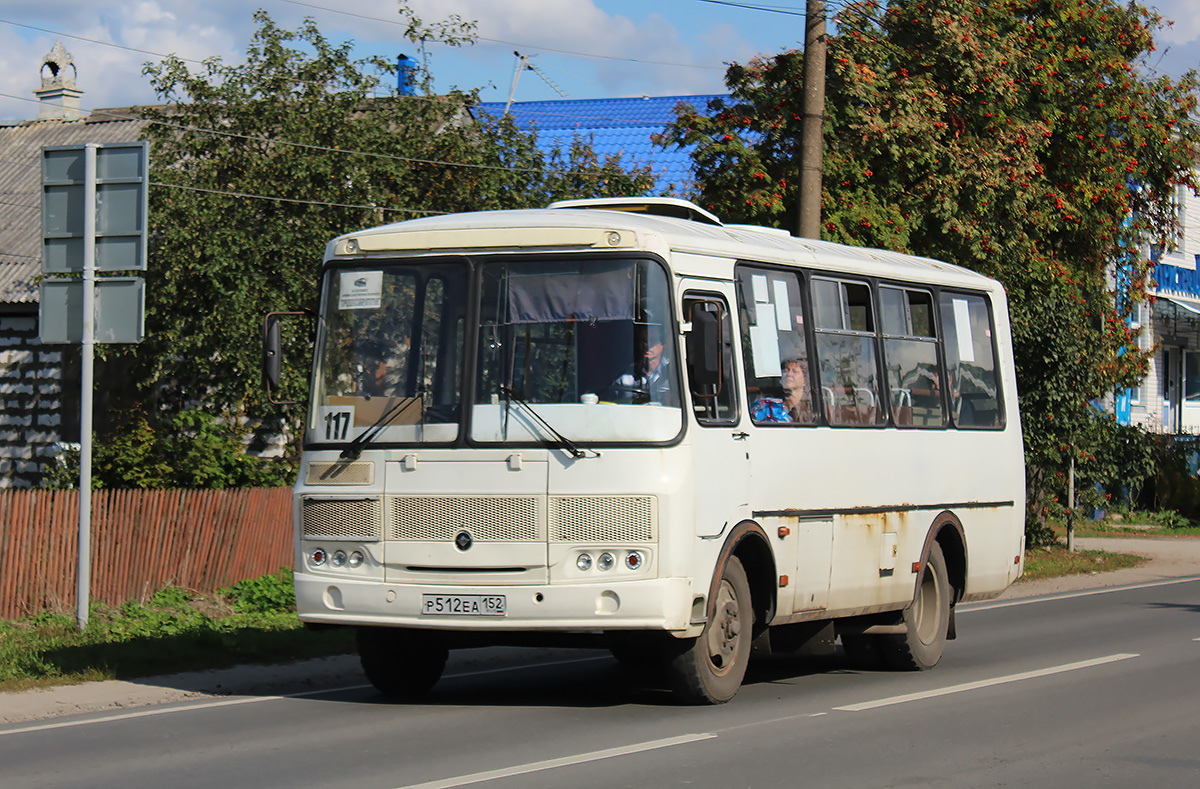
{"points": [[649, 380]]}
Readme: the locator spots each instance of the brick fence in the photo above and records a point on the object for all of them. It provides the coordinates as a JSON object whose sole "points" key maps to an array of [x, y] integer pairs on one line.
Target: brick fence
{"points": [[142, 541]]}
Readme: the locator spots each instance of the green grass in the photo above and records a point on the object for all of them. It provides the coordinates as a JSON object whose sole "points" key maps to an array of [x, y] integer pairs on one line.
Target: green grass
{"points": [[252, 622], [1145, 523], [1055, 561]]}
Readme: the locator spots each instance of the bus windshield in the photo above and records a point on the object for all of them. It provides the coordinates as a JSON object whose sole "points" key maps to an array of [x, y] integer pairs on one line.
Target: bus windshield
{"points": [[389, 357], [587, 344]]}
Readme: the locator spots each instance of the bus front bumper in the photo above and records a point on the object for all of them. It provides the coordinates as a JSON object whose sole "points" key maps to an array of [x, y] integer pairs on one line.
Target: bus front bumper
{"points": [[662, 604]]}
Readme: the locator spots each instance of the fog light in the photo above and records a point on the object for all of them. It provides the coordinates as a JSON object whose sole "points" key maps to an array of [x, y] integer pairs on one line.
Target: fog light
{"points": [[633, 560], [583, 562], [356, 559], [339, 558], [606, 561], [317, 556]]}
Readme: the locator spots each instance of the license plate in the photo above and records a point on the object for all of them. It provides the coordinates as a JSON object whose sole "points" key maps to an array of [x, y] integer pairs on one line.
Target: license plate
{"points": [[463, 604]]}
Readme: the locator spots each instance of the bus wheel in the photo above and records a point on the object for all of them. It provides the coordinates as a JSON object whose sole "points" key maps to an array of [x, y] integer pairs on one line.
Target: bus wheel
{"points": [[928, 620], [709, 669], [401, 663]]}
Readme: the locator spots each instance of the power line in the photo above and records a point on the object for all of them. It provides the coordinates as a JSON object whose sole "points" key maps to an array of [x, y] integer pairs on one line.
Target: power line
{"points": [[767, 8], [324, 148], [516, 43], [276, 199], [94, 41]]}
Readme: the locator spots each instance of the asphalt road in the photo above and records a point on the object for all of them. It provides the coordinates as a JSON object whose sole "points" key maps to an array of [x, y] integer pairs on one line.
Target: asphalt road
{"points": [[1091, 688]]}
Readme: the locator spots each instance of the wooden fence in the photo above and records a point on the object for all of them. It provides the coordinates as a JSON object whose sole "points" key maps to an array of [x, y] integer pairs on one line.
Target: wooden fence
{"points": [[142, 541]]}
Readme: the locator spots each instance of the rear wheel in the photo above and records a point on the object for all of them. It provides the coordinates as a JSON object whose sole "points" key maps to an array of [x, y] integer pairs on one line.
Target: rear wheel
{"points": [[710, 669], [401, 663], [927, 620]]}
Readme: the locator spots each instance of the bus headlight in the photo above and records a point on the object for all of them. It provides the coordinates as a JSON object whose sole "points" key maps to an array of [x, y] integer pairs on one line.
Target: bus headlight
{"points": [[583, 562], [356, 559], [339, 558], [605, 562]]}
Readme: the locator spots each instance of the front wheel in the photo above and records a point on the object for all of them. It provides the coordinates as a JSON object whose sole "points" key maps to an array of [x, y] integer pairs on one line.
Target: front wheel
{"points": [[401, 663], [710, 669], [927, 620]]}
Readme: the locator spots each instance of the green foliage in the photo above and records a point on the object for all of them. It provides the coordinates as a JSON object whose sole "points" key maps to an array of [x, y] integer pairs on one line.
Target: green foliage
{"points": [[254, 168], [191, 449], [264, 594], [1020, 139], [1176, 486]]}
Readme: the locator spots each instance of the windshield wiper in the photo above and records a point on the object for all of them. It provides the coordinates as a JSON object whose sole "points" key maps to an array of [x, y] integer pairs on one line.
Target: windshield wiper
{"points": [[563, 441], [355, 447]]}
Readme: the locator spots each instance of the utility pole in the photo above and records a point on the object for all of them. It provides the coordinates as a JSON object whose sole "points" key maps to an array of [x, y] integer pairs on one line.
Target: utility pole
{"points": [[812, 146]]}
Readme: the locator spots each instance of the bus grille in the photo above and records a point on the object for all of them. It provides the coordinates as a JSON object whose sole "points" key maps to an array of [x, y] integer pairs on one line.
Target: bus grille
{"points": [[347, 519], [608, 518], [488, 518]]}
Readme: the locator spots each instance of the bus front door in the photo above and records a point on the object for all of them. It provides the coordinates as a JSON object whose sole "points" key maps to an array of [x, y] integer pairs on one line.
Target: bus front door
{"points": [[720, 457]]}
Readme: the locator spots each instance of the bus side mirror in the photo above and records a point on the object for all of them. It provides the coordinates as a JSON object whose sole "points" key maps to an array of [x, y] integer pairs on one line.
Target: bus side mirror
{"points": [[704, 351], [272, 356], [272, 352]]}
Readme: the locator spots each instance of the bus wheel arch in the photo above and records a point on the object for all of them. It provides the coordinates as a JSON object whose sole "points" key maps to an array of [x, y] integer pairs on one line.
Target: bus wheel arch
{"points": [[947, 532], [750, 544]]}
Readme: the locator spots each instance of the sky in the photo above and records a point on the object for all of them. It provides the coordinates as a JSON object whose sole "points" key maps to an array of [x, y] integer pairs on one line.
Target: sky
{"points": [[580, 49]]}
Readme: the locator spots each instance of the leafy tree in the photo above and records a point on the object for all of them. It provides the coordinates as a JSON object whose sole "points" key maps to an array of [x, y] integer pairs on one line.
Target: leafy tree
{"points": [[256, 166], [1023, 139]]}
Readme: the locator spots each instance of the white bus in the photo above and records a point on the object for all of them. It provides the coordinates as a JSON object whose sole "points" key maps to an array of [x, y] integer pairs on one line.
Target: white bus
{"points": [[622, 423]]}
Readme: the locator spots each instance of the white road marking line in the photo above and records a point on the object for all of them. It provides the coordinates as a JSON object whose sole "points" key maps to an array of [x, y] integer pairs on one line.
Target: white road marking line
{"points": [[256, 699], [967, 608], [566, 761], [986, 683]]}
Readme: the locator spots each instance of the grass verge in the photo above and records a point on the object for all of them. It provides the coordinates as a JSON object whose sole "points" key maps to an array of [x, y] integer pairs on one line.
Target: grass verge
{"points": [[176, 630], [1056, 561]]}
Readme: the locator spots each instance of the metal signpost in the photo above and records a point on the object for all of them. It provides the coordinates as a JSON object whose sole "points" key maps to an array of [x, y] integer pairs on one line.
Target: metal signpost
{"points": [[94, 204]]}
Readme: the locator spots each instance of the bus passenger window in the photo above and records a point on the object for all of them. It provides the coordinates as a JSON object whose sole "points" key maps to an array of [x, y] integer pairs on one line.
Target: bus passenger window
{"points": [[914, 375], [846, 362], [774, 348], [970, 361]]}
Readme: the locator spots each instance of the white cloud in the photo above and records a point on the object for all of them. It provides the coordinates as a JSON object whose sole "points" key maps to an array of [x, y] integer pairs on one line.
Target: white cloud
{"points": [[1185, 19]]}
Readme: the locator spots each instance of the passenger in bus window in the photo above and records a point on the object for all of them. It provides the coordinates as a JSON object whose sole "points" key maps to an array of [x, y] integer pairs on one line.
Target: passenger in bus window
{"points": [[796, 403]]}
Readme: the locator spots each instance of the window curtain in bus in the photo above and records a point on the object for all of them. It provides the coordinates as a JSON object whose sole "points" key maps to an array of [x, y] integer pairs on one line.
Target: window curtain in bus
{"points": [[555, 293]]}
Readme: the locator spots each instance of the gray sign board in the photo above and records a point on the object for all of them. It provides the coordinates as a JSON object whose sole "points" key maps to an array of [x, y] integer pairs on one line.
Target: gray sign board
{"points": [[121, 207], [118, 313]]}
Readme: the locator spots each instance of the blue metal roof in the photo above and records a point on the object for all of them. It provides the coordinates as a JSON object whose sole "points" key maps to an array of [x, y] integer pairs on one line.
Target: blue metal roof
{"points": [[616, 126]]}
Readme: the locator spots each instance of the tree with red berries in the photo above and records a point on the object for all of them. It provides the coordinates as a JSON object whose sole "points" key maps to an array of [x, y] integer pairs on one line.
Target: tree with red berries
{"points": [[1024, 139]]}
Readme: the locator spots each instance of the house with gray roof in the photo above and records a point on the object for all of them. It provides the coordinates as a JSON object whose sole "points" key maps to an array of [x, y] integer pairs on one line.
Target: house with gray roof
{"points": [[39, 406]]}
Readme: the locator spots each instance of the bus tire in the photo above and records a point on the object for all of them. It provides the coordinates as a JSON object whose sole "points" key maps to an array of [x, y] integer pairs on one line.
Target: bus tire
{"points": [[709, 669], [401, 663], [927, 620]]}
